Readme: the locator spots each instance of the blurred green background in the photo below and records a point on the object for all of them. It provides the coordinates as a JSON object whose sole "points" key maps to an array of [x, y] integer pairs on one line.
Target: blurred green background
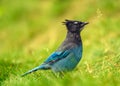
{"points": [[31, 29]]}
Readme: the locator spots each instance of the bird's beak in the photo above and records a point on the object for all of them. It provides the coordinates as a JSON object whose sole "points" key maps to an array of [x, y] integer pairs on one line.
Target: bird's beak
{"points": [[85, 23]]}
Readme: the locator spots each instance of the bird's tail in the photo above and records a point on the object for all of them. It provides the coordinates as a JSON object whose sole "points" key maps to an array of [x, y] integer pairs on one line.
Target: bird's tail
{"points": [[33, 70]]}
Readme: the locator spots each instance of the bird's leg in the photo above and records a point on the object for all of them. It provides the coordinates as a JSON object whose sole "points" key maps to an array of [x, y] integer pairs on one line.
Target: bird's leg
{"points": [[61, 74], [55, 74], [58, 75]]}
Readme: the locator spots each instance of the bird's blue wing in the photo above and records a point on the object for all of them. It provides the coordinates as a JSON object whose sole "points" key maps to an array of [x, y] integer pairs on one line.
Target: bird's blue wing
{"points": [[55, 56]]}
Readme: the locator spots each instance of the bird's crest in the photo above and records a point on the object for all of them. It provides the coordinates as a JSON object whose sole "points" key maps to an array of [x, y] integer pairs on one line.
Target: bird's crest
{"points": [[70, 21]]}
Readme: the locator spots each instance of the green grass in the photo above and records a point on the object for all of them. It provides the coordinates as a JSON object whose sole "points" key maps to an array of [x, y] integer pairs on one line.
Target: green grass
{"points": [[31, 30]]}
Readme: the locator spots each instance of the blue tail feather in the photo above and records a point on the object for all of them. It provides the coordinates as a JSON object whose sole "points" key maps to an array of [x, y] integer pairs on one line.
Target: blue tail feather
{"points": [[33, 70]]}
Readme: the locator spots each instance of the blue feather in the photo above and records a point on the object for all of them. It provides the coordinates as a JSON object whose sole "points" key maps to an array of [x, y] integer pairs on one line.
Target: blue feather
{"points": [[56, 56], [33, 70], [70, 61]]}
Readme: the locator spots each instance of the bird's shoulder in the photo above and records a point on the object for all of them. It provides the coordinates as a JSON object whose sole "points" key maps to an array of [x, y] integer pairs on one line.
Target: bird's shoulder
{"points": [[57, 55]]}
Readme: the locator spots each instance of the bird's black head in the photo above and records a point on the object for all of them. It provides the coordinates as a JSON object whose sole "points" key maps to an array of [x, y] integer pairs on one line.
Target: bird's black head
{"points": [[74, 26]]}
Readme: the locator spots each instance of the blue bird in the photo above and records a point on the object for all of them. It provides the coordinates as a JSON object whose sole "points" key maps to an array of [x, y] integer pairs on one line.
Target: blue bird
{"points": [[68, 55]]}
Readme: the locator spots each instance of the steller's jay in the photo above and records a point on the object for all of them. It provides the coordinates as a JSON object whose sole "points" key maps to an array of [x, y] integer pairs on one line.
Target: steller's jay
{"points": [[68, 55]]}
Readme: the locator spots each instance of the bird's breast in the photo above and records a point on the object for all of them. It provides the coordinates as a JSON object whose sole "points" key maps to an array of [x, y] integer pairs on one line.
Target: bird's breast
{"points": [[77, 52]]}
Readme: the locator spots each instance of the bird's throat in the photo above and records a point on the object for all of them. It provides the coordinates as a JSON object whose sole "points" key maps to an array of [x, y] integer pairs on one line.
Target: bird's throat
{"points": [[74, 37], [72, 40]]}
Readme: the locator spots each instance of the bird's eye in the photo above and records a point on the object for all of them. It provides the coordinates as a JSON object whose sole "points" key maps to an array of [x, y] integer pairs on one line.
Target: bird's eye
{"points": [[75, 22]]}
